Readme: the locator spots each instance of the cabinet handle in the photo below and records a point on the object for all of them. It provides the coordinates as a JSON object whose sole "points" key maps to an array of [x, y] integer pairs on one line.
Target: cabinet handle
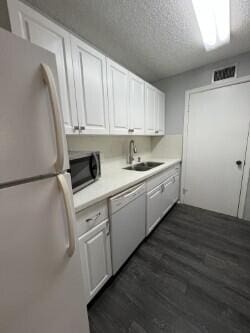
{"points": [[82, 128], [131, 130], [76, 128], [156, 132], [49, 80], [70, 213], [93, 218]]}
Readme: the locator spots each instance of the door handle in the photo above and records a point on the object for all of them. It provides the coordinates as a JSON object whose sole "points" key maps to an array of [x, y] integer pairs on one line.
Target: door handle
{"points": [[49, 80], [70, 213], [239, 163]]}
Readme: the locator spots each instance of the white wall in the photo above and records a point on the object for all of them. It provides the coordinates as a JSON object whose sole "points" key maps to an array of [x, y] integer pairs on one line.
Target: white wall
{"points": [[175, 87]]}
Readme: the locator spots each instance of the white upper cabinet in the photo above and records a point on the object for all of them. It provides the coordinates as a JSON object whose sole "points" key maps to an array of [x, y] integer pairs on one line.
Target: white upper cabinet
{"points": [[90, 76], [97, 95], [136, 104], [118, 92], [160, 113], [28, 24], [154, 111], [150, 109]]}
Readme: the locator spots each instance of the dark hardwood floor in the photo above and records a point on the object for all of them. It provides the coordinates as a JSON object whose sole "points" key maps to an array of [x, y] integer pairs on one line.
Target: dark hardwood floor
{"points": [[191, 275]]}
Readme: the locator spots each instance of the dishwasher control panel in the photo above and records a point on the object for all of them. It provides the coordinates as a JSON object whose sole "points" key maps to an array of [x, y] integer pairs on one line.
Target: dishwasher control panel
{"points": [[123, 198]]}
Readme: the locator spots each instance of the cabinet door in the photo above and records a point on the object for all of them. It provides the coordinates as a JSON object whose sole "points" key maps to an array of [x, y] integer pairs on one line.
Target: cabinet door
{"points": [[28, 24], [170, 193], [160, 113], [167, 195], [95, 258], [136, 104], [150, 109], [154, 208], [90, 76], [176, 189], [118, 84]]}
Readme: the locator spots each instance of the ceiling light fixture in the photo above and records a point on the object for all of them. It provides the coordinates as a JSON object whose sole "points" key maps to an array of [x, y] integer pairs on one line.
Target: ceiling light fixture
{"points": [[213, 17]]}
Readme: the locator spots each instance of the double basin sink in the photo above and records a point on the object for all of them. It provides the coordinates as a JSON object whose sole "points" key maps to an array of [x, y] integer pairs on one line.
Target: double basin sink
{"points": [[144, 166]]}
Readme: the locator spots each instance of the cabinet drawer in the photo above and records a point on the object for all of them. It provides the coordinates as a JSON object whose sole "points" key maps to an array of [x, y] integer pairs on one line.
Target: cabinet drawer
{"points": [[91, 217], [160, 178]]}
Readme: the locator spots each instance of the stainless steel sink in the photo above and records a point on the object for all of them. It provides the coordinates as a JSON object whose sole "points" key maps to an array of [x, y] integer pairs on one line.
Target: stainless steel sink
{"points": [[144, 166]]}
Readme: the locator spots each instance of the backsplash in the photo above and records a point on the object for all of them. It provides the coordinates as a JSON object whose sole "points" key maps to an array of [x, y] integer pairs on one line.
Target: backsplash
{"points": [[168, 146], [112, 148]]}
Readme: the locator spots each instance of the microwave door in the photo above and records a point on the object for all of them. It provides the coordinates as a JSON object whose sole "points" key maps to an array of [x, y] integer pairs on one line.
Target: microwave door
{"points": [[80, 173]]}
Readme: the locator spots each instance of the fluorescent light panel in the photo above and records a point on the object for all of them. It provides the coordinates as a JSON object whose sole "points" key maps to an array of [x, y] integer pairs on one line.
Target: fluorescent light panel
{"points": [[214, 21]]}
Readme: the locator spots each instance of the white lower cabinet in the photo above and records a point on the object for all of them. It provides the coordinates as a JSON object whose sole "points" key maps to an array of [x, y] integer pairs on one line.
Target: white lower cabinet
{"points": [[170, 193], [160, 199], [95, 258], [154, 208]]}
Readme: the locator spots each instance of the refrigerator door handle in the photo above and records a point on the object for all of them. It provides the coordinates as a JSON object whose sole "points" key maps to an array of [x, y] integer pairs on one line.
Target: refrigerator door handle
{"points": [[50, 82], [70, 212]]}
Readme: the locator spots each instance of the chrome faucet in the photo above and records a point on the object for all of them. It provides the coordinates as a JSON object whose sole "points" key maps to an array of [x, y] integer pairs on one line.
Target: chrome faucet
{"points": [[132, 151]]}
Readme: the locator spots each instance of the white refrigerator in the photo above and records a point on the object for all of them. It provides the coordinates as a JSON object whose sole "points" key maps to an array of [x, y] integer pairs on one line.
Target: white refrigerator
{"points": [[41, 289]]}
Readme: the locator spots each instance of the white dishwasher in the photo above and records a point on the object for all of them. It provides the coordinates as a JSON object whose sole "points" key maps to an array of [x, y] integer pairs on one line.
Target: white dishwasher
{"points": [[128, 223]]}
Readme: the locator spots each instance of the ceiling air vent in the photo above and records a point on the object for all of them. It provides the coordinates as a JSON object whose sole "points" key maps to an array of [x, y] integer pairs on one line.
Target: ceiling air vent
{"points": [[224, 73]]}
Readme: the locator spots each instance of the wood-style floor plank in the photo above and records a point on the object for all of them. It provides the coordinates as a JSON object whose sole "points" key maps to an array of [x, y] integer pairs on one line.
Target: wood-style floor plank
{"points": [[191, 275]]}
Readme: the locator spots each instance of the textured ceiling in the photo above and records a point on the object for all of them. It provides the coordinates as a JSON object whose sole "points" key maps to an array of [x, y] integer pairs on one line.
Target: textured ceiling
{"points": [[153, 38]]}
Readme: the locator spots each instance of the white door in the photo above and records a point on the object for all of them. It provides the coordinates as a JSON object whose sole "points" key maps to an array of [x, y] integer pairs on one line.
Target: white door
{"points": [[118, 93], [160, 114], [150, 109], [96, 258], [154, 208], [40, 284], [136, 104], [91, 88], [28, 24], [218, 124], [28, 123]]}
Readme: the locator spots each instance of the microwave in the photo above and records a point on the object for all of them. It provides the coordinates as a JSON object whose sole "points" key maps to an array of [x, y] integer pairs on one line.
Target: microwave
{"points": [[85, 168]]}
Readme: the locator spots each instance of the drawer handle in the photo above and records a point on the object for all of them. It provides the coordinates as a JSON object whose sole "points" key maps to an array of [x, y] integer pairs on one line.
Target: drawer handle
{"points": [[94, 218]]}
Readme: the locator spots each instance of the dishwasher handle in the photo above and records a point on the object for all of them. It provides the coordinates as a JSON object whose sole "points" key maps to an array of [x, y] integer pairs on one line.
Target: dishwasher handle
{"points": [[134, 192], [124, 198]]}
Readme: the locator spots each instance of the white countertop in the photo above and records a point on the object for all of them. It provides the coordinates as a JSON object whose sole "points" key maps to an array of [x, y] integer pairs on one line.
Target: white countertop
{"points": [[115, 179]]}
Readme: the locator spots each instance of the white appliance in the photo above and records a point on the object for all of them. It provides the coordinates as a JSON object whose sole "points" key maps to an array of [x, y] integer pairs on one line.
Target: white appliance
{"points": [[128, 223], [40, 281]]}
